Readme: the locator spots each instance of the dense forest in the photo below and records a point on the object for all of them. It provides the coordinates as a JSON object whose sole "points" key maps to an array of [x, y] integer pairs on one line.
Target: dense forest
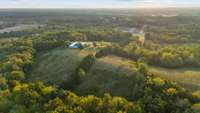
{"points": [[39, 73]]}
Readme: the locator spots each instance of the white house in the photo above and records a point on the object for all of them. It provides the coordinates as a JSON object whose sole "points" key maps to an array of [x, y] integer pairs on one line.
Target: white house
{"points": [[75, 45]]}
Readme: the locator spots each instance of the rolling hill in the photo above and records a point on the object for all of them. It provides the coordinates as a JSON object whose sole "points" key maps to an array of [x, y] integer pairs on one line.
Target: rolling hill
{"points": [[109, 74], [56, 65], [105, 75]]}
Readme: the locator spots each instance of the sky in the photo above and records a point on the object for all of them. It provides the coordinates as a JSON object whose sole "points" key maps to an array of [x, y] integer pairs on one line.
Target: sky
{"points": [[97, 3]]}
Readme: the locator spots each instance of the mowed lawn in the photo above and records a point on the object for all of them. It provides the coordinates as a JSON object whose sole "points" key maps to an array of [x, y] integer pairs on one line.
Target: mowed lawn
{"points": [[187, 77], [56, 65]]}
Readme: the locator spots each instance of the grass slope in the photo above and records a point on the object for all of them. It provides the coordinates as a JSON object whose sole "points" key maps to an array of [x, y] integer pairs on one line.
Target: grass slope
{"points": [[56, 65], [109, 74], [186, 77]]}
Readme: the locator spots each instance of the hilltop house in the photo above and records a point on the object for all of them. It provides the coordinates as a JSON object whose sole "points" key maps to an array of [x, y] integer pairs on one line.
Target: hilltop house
{"points": [[75, 45], [78, 45]]}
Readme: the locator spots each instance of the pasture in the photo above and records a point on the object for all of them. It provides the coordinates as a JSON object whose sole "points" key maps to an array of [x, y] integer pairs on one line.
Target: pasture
{"points": [[186, 77], [56, 65]]}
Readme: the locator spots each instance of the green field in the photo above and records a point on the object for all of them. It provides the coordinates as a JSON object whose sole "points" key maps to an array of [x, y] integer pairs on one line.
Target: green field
{"points": [[109, 74], [56, 65], [188, 77], [20, 28]]}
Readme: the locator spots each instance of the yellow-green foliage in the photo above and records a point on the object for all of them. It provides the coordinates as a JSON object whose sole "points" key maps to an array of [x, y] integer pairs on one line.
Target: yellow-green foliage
{"points": [[158, 81], [47, 90], [196, 107], [20, 87], [196, 94], [171, 91]]}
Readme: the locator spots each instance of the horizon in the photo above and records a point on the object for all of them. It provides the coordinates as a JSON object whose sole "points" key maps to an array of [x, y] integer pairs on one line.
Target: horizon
{"points": [[104, 4], [88, 8]]}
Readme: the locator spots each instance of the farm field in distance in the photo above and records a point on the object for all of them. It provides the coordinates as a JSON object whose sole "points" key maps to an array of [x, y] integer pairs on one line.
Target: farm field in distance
{"points": [[188, 78], [19, 28]]}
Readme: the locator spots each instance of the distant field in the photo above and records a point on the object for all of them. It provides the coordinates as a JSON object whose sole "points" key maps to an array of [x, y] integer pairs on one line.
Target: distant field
{"points": [[188, 78], [20, 28], [56, 65]]}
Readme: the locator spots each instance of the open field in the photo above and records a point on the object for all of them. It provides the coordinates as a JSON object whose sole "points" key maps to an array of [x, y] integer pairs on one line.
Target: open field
{"points": [[108, 74], [20, 28], [56, 65], [118, 65], [188, 78]]}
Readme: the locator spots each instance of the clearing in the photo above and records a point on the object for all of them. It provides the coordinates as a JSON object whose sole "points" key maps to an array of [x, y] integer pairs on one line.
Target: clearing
{"points": [[56, 65], [110, 74], [186, 77], [20, 28]]}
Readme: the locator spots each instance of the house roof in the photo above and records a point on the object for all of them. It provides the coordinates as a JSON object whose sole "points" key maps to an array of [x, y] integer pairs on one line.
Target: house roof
{"points": [[75, 43]]}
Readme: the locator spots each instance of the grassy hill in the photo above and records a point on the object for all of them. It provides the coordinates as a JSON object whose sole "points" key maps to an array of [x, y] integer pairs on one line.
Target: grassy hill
{"points": [[56, 65], [186, 77], [109, 74]]}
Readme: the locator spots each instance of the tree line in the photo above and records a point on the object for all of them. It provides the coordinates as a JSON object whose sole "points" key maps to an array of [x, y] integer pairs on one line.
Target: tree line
{"points": [[174, 56]]}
